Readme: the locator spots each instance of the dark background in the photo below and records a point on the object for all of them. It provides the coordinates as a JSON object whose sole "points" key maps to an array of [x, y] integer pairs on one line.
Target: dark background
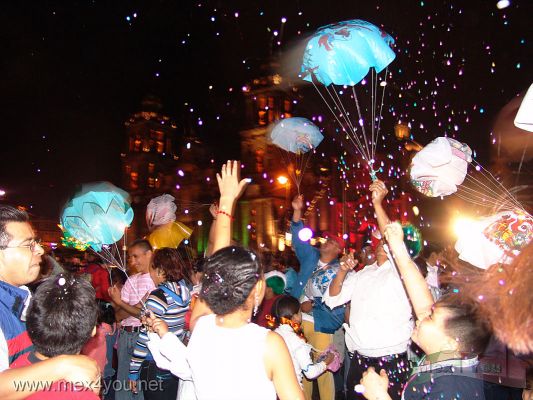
{"points": [[72, 72]]}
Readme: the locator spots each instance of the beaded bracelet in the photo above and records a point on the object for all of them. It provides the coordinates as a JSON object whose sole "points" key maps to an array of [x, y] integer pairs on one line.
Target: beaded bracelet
{"points": [[225, 213]]}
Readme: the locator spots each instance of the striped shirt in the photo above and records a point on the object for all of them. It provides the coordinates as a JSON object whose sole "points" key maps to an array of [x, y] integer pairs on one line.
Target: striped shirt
{"points": [[133, 291], [171, 309]]}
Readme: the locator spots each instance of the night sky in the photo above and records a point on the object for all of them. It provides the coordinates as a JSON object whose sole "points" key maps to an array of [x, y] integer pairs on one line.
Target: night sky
{"points": [[73, 71]]}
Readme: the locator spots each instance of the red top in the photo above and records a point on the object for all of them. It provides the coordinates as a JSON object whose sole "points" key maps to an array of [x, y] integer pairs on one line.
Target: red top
{"points": [[96, 346], [100, 281], [265, 309], [60, 390]]}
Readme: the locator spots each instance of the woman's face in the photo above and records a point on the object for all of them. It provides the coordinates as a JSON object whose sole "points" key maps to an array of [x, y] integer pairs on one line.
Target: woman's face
{"points": [[157, 275], [297, 317]]}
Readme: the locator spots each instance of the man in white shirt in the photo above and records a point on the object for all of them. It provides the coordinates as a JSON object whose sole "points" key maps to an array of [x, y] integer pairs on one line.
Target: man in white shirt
{"points": [[380, 322], [432, 255]]}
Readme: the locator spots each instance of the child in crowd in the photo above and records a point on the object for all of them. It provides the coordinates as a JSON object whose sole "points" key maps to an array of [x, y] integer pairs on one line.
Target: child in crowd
{"points": [[450, 332], [275, 285], [286, 318], [61, 318]]}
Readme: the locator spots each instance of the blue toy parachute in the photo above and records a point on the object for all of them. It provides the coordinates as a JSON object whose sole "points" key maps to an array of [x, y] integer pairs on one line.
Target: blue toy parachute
{"points": [[343, 54], [98, 215], [296, 138], [297, 135]]}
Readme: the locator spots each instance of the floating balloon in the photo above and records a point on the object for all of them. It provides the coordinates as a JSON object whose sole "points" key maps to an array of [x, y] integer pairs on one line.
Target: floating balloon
{"points": [[440, 167], [98, 215], [412, 239], [160, 211], [297, 135], [495, 239], [343, 53], [169, 235]]}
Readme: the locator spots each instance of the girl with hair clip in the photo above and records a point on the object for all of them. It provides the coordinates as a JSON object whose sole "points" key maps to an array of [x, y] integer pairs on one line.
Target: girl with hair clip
{"points": [[228, 357], [286, 319]]}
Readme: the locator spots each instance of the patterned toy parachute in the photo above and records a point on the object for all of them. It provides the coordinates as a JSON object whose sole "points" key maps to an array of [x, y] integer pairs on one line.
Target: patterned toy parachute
{"points": [[161, 220], [495, 239], [440, 167], [97, 215], [160, 211], [343, 54]]}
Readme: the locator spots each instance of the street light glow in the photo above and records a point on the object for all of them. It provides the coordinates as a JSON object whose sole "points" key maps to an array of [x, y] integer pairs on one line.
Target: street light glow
{"points": [[282, 179]]}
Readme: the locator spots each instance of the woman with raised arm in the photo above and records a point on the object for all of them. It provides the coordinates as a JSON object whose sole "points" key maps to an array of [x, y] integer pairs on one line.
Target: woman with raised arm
{"points": [[228, 357]]}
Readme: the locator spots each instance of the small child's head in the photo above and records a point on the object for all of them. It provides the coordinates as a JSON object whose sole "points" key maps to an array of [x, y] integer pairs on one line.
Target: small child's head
{"points": [[453, 326], [62, 315], [287, 307]]}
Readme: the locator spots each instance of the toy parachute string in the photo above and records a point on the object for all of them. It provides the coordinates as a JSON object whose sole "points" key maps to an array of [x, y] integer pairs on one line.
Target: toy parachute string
{"points": [[363, 144], [108, 255], [487, 191], [188, 207], [296, 164]]}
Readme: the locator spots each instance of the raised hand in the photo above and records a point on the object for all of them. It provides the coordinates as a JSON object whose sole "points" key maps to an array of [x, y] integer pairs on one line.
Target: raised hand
{"points": [[229, 182], [298, 203], [394, 235], [348, 263], [379, 191]]}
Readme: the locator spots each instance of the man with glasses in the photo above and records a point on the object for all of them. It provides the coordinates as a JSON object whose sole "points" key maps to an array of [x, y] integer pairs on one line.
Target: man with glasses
{"points": [[20, 258]]}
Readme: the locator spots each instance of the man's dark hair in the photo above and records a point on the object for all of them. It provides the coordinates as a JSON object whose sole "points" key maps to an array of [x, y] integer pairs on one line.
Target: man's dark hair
{"points": [[230, 275], [432, 247], [142, 244], [170, 263], [62, 315], [285, 307], [9, 214], [465, 324]]}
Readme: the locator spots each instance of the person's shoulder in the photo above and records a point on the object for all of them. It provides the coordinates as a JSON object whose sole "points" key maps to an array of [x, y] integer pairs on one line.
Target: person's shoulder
{"points": [[445, 386], [21, 361], [273, 339]]}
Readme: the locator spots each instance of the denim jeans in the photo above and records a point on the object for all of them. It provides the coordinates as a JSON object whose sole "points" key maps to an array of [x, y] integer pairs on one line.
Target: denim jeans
{"points": [[126, 344]]}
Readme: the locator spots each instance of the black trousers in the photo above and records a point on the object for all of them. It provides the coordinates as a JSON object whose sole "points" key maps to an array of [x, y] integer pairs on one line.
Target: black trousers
{"points": [[396, 365], [156, 383]]}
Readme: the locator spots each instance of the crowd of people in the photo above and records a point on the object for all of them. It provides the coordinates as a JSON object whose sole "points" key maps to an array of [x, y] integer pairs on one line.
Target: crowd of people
{"points": [[334, 324]]}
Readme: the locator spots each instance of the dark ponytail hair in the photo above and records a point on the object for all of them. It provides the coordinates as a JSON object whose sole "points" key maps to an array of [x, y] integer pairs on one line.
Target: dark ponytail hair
{"points": [[285, 307], [230, 275]]}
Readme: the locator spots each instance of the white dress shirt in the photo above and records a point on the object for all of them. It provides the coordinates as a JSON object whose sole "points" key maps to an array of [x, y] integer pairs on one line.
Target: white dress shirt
{"points": [[381, 320], [432, 278]]}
